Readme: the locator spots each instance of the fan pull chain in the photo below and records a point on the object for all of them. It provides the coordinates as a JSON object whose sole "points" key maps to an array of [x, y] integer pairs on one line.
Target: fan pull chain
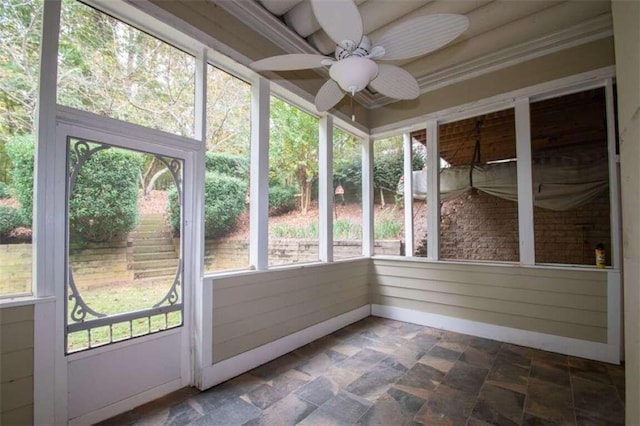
{"points": [[353, 114]]}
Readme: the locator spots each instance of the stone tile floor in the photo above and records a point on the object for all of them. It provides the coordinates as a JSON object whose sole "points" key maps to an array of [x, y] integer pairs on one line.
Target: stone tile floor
{"points": [[384, 372]]}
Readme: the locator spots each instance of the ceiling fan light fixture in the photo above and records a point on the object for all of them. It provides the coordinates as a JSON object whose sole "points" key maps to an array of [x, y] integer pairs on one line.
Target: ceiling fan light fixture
{"points": [[354, 73]]}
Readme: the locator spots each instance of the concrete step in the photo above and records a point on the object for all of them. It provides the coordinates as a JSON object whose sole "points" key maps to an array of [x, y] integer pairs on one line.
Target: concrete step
{"points": [[143, 257], [151, 242], [135, 235], [155, 264], [162, 248], [160, 272]]}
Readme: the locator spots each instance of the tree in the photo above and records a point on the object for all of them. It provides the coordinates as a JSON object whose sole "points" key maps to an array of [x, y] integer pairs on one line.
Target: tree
{"points": [[293, 149]]}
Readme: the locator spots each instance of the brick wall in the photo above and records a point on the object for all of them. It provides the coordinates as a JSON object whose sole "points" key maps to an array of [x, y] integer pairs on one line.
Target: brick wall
{"points": [[478, 226]]}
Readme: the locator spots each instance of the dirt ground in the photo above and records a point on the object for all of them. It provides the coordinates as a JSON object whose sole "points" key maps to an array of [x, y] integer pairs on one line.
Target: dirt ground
{"points": [[156, 203]]}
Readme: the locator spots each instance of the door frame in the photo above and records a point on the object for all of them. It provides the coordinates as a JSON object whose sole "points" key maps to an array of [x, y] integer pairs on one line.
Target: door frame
{"points": [[84, 125]]}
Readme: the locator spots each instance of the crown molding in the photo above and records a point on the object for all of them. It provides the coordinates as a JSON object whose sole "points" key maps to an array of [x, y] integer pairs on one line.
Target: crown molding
{"points": [[267, 25], [585, 32]]}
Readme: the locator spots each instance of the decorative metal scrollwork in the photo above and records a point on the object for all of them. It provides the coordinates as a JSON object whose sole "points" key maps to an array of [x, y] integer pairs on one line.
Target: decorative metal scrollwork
{"points": [[80, 308]]}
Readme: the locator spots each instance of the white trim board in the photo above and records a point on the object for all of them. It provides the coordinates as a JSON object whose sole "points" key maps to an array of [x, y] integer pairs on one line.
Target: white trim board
{"points": [[232, 367], [547, 342]]}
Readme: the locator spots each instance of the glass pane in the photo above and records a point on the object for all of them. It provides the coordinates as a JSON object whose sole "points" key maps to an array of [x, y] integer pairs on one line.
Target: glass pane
{"points": [[571, 178], [388, 168], [478, 189], [124, 213], [227, 172], [347, 185], [293, 185], [20, 33], [110, 68]]}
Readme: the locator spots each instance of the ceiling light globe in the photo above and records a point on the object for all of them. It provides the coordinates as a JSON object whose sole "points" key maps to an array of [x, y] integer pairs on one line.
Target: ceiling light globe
{"points": [[354, 73]]}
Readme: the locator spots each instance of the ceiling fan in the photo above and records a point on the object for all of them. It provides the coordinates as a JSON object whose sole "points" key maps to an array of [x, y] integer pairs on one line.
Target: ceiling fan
{"points": [[355, 66]]}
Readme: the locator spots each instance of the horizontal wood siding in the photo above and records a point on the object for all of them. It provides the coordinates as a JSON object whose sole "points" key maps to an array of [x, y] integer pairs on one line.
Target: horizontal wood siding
{"points": [[16, 365], [254, 309], [569, 303]]}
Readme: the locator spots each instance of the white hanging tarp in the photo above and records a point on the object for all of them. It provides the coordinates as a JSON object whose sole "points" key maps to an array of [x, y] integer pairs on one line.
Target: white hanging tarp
{"points": [[557, 184]]}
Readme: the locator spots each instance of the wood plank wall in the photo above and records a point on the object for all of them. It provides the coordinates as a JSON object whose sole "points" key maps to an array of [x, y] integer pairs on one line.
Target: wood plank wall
{"points": [[570, 303], [16, 365], [254, 309]]}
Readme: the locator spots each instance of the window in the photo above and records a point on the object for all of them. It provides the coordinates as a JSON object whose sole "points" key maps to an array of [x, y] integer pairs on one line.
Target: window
{"points": [[388, 168], [570, 178], [478, 189], [419, 191], [124, 276], [110, 68], [20, 33], [347, 185], [227, 172], [293, 185]]}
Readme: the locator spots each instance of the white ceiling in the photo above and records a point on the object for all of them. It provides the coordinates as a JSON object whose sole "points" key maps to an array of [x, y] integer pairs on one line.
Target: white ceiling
{"points": [[501, 33]]}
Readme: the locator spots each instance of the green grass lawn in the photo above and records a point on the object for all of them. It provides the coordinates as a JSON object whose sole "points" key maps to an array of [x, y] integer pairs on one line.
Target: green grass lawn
{"points": [[123, 297]]}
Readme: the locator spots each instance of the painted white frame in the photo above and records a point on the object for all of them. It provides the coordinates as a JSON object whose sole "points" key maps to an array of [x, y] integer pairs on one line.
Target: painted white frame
{"points": [[326, 196], [88, 126], [433, 190]]}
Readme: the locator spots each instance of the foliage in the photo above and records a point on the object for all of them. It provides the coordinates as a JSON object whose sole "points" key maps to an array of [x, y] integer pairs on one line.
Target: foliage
{"points": [[282, 199], [113, 69], [293, 149], [283, 230], [5, 191], [224, 202], [10, 219], [20, 149], [387, 227], [228, 113], [227, 164], [104, 203], [346, 230]]}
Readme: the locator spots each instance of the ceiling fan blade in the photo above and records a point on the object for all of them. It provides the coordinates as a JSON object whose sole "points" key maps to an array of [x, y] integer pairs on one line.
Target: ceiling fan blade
{"points": [[340, 19], [421, 35], [295, 61], [328, 96], [395, 82]]}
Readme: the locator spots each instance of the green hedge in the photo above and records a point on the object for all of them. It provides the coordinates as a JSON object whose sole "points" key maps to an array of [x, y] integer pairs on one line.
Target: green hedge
{"points": [[20, 149], [103, 205], [282, 199], [227, 164], [10, 219], [224, 199], [5, 191], [104, 202]]}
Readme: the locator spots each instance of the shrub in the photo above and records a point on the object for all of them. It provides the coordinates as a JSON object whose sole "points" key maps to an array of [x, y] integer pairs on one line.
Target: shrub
{"points": [[227, 164], [387, 227], [104, 202], [103, 205], [224, 202], [5, 191], [20, 149], [282, 199], [10, 219]]}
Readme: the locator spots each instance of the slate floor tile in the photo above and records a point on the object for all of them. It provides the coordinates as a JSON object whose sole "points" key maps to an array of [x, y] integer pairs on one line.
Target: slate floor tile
{"points": [[499, 406], [421, 376], [374, 383], [318, 391], [466, 378], [446, 406], [550, 402], [599, 400], [288, 411], [385, 372], [342, 409]]}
